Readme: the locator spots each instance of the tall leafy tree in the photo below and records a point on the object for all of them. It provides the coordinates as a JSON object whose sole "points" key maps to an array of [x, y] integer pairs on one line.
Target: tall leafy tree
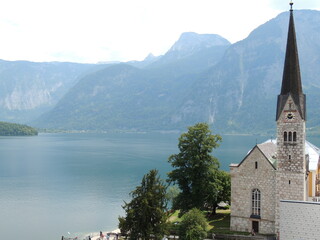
{"points": [[146, 213], [196, 171], [220, 190]]}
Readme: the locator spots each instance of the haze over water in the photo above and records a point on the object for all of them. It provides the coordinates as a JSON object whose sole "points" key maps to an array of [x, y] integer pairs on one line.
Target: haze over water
{"points": [[53, 184]]}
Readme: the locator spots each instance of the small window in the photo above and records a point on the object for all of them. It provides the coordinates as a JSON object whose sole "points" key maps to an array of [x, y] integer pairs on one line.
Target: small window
{"points": [[290, 136], [285, 136], [289, 182], [256, 165], [289, 157], [294, 136]]}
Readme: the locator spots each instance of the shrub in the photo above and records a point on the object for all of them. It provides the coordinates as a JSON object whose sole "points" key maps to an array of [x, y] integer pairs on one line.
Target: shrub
{"points": [[193, 225]]}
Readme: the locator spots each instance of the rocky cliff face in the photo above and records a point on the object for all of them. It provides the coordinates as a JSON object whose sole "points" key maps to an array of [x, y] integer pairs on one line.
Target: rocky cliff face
{"points": [[190, 43], [28, 89]]}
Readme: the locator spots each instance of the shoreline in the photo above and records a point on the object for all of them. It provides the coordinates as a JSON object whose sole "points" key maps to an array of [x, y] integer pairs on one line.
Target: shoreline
{"points": [[93, 235]]}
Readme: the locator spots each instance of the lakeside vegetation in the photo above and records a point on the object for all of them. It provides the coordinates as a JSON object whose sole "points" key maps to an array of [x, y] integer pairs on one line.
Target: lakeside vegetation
{"points": [[217, 224], [197, 187], [14, 129]]}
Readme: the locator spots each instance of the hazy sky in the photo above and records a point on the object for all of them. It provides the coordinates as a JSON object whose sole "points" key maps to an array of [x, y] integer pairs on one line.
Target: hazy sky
{"points": [[120, 30]]}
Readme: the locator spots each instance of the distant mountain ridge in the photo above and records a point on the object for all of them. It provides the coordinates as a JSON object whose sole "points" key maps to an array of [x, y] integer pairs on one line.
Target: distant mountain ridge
{"points": [[190, 42], [126, 97], [201, 78], [194, 47], [236, 92]]}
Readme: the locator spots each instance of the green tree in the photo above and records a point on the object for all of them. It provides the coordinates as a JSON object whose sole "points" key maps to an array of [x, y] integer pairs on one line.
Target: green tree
{"points": [[225, 187], [193, 226], [14, 129], [195, 169], [146, 213], [220, 190], [172, 193]]}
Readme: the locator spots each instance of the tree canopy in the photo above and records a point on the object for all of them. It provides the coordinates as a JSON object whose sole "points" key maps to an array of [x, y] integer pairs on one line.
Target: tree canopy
{"points": [[220, 190], [193, 226], [146, 213], [14, 129], [196, 171]]}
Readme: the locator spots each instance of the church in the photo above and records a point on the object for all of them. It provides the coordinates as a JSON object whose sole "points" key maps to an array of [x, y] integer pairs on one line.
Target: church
{"points": [[282, 169]]}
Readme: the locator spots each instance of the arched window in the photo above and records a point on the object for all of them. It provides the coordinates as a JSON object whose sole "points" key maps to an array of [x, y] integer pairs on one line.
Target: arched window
{"points": [[290, 136], [256, 202], [294, 136], [285, 136]]}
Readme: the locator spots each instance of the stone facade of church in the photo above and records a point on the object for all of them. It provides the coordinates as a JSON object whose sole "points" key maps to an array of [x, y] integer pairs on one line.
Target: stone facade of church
{"points": [[254, 172]]}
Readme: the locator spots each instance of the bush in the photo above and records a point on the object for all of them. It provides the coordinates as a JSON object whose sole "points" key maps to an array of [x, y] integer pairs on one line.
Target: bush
{"points": [[193, 226]]}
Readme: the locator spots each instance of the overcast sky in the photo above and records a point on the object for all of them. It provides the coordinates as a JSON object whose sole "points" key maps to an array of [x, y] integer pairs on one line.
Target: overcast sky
{"points": [[90, 31]]}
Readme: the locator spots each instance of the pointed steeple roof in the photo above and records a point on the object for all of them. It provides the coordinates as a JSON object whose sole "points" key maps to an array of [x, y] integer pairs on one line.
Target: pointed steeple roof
{"points": [[291, 80]]}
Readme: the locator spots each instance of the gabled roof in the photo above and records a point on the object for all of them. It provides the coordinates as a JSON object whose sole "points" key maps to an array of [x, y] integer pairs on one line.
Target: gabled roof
{"points": [[269, 151]]}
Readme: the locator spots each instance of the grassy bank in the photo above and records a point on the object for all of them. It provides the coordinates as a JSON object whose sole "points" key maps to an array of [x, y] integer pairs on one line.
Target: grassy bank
{"points": [[218, 224]]}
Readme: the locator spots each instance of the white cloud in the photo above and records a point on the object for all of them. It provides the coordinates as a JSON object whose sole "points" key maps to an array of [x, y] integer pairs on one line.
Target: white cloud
{"points": [[107, 30]]}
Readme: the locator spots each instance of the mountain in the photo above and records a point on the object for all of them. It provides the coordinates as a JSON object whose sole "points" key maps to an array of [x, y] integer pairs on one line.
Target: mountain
{"points": [[126, 97], [146, 62], [118, 97], [239, 93], [28, 89], [201, 78], [190, 43], [193, 52]]}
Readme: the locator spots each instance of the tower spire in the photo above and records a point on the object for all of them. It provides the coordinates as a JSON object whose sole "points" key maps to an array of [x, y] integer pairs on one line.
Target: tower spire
{"points": [[291, 79]]}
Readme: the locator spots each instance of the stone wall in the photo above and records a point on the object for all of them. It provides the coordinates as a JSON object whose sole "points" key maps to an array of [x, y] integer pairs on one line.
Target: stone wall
{"points": [[299, 220], [245, 178], [291, 169]]}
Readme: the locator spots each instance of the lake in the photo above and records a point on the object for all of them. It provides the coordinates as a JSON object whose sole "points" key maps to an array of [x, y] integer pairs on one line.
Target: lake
{"points": [[53, 184]]}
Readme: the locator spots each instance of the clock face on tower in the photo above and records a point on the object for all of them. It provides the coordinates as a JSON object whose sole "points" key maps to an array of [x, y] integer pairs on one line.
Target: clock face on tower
{"points": [[290, 116]]}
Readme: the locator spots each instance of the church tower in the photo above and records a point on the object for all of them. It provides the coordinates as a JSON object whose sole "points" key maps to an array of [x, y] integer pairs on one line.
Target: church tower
{"points": [[291, 119]]}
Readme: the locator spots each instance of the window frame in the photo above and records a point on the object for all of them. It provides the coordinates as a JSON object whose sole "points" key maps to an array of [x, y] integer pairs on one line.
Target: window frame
{"points": [[285, 136], [256, 202]]}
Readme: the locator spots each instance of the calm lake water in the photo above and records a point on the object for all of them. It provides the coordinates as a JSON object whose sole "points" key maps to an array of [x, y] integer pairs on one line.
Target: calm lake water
{"points": [[53, 184]]}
